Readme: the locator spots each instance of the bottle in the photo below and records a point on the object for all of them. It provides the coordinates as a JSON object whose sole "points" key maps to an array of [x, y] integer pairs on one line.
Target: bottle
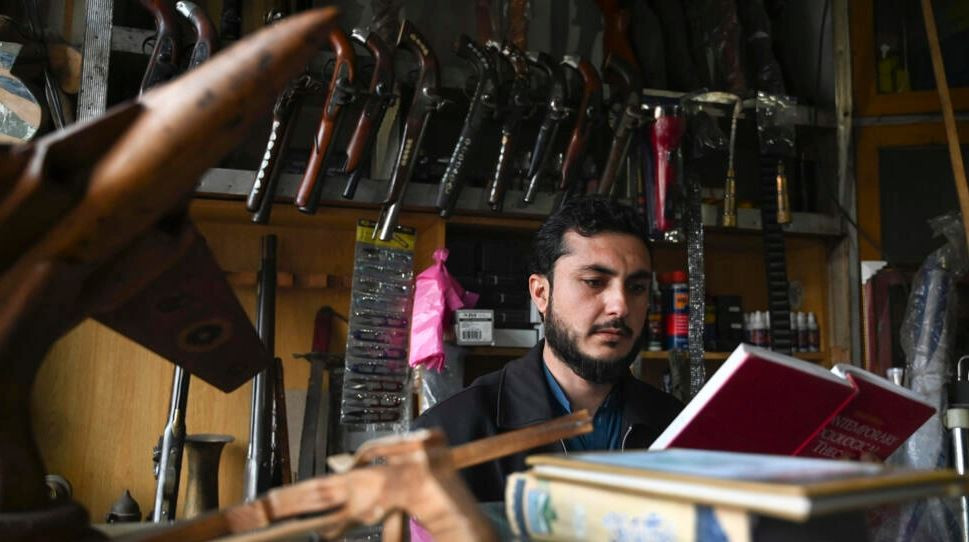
{"points": [[654, 320], [677, 312], [814, 334], [768, 335], [757, 330], [795, 343], [802, 332]]}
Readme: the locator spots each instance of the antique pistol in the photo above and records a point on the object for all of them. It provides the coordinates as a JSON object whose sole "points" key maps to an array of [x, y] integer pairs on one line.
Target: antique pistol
{"points": [[615, 39], [589, 112], [557, 112], [513, 109], [482, 103], [208, 42], [426, 100], [163, 62], [260, 199], [378, 98], [630, 118], [339, 93]]}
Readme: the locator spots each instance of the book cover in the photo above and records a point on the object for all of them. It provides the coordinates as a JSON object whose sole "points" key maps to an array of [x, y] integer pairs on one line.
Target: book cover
{"points": [[793, 488], [544, 509], [761, 401]]}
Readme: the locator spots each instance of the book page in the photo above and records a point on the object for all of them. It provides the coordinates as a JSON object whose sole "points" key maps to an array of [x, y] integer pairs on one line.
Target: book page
{"points": [[877, 420]]}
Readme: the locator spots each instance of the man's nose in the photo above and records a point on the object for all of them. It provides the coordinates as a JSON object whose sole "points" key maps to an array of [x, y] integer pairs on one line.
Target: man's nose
{"points": [[616, 302]]}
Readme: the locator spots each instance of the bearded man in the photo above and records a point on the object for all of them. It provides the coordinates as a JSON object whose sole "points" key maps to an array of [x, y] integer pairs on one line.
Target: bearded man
{"points": [[590, 281]]}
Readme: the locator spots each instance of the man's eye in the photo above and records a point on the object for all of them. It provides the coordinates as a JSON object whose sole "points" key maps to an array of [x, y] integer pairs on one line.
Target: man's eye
{"points": [[593, 283], [639, 288]]}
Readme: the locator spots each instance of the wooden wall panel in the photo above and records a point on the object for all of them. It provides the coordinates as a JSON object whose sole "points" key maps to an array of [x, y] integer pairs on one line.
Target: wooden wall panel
{"points": [[100, 400]]}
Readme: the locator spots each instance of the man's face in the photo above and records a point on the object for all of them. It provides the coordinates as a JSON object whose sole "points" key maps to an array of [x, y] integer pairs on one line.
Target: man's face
{"points": [[596, 304]]}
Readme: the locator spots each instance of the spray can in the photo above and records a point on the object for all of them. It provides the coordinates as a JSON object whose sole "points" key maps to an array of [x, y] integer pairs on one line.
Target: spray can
{"points": [[654, 319], [677, 311]]}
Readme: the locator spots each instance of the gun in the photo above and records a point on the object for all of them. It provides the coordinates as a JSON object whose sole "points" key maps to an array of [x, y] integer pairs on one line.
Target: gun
{"points": [[631, 118], [515, 107], [590, 110], [557, 112], [379, 97], [482, 101], [207, 42], [231, 20], [260, 199], [258, 471], [163, 62], [339, 94], [426, 100], [167, 455], [615, 38]]}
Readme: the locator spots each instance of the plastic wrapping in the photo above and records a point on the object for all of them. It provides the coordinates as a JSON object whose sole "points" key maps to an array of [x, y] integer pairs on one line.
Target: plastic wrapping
{"points": [[775, 124], [767, 75], [436, 297], [437, 386], [927, 339], [664, 178], [376, 381]]}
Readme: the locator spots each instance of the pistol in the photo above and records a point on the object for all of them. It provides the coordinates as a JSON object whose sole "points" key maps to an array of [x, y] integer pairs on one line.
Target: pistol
{"points": [[589, 112], [379, 97], [426, 100], [482, 102], [260, 199], [207, 42], [163, 62], [514, 109], [630, 118], [339, 93], [615, 38], [557, 112]]}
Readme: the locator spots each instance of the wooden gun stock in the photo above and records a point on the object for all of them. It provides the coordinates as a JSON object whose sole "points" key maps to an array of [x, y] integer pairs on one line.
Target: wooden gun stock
{"points": [[615, 36], [207, 43], [163, 62], [515, 109], [588, 112], [339, 93], [379, 97], [547, 131], [629, 119]]}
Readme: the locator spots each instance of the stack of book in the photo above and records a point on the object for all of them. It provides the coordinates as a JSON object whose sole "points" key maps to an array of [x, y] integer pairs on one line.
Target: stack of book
{"points": [[701, 495], [727, 465]]}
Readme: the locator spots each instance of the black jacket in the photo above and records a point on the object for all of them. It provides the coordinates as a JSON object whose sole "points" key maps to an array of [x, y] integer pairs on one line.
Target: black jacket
{"points": [[517, 396]]}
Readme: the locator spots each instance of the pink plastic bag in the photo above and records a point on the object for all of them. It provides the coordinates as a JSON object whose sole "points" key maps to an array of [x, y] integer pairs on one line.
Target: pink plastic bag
{"points": [[436, 296]]}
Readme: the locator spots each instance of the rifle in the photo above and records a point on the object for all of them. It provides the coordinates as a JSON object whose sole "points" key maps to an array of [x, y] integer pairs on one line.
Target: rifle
{"points": [[163, 62], [379, 97], [589, 112], [207, 42], [260, 199], [557, 112], [482, 102], [426, 100], [259, 467], [167, 455], [515, 107], [631, 118], [338, 94]]}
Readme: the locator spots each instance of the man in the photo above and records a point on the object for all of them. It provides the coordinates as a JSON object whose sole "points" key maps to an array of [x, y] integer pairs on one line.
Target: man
{"points": [[590, 281]]}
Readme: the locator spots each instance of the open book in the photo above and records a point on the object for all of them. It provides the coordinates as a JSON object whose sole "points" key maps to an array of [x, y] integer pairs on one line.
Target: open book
{"points": [[761, 401]]}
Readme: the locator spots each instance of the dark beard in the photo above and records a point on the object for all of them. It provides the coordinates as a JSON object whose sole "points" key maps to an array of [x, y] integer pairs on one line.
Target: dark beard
{"points": [[597, 370]]}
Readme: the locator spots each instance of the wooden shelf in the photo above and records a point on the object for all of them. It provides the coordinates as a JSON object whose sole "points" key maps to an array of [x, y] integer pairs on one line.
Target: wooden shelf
{"points": [[663, 355]]}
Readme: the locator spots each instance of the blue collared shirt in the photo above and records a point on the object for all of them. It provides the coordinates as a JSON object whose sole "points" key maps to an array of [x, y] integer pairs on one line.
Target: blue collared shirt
{"points": [[606, 424]]}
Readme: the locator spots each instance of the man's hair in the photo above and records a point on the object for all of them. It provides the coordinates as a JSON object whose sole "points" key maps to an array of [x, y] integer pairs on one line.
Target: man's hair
{"points": [[587, 216]]}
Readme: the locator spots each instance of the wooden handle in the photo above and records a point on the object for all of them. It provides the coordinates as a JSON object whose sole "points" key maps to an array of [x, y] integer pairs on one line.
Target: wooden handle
{"points": [[486, 449], [951, 133]]}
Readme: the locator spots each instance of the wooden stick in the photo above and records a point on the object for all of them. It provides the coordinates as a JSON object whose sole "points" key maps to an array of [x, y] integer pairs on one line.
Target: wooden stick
{"points": [[465, 455], [951, 132]]}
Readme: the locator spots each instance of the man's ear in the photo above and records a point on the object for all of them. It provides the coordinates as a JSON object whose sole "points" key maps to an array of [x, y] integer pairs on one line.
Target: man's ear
{"points": [[539, 288]]}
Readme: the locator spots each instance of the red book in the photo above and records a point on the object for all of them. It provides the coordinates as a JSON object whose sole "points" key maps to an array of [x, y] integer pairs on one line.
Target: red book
{"points": [[761, 401]]}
